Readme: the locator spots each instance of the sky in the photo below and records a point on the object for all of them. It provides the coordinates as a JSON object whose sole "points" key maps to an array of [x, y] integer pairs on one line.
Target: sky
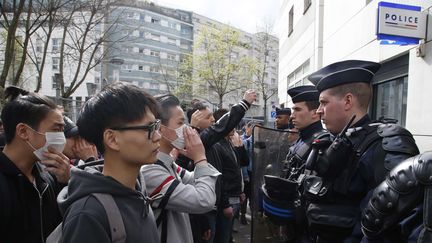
{"points": [[246, 15]]}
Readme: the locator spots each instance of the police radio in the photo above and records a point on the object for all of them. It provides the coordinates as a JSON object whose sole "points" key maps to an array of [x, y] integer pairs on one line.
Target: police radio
{"points": [[328, 163]]}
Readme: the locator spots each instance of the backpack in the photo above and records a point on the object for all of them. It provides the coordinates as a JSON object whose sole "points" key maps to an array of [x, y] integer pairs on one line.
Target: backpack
{"points": [[115, 221]]}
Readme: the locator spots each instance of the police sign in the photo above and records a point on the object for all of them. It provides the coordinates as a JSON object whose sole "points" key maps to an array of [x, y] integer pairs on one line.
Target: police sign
{"points": [[401, 20]]}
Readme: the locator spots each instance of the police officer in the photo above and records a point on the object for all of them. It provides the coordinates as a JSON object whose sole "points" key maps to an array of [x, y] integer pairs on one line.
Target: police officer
{"points": [[308, 123], [283, 116], [360, 156]]}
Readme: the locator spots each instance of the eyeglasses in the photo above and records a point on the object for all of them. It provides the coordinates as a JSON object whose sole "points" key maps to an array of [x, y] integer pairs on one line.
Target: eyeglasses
{"points": [[150, 128]]}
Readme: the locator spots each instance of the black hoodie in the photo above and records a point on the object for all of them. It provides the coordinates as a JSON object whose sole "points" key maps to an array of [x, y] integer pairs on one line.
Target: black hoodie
{"points": [[85, 218]]}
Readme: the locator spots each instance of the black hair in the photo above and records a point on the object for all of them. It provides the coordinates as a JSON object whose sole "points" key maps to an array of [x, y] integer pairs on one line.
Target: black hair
{"points": [[116, 105], [166, 102], [196, 105], [24, 107], [219, 113]]}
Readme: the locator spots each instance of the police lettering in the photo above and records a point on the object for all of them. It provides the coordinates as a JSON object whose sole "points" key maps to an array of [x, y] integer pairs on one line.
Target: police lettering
{"points": [[401, 18]]}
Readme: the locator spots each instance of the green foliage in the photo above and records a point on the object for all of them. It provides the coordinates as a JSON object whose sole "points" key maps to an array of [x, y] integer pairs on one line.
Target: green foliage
{"points": [[217, 67]]}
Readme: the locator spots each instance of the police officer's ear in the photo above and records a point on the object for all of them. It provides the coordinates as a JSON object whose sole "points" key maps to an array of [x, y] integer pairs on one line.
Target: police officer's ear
{"points": [[349, 101]]}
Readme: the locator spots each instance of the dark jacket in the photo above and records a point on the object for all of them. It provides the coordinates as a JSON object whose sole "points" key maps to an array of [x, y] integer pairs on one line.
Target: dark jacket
{"points": [[230, 160], [85, 218], [27, 213]]}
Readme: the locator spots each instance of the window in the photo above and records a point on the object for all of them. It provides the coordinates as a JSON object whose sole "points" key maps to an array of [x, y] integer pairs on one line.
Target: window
{"points": [[55, 63], [154, 69], [273, 81], [141, 34], [141, 50], [171, 56], [141, 68], [78, 100], [55, 83], [173, 25], [299, 76], [142, 17], [154, 53], [39, 45], [390, 100], [307, 4], [290, 21], [155, 21], [56, 44], [171, 41], [130, 15], [154, 86], [155, 37]]}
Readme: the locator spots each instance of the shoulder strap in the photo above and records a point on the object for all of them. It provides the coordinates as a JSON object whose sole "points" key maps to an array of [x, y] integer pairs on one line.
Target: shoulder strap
{"points": [[118, 232], [162, 218]]}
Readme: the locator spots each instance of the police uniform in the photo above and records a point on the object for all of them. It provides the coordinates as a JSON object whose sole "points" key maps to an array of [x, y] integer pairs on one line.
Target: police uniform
{"points": [[299, 151], [281, 194], [345, 172]]}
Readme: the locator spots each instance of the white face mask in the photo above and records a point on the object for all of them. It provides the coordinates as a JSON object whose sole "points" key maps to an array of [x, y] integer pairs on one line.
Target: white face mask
{"points": [[179, 142], [55, 140]]}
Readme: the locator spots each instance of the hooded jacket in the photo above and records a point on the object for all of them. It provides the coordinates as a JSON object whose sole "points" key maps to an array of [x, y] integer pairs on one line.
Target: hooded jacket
{"points": [[85, 218]]}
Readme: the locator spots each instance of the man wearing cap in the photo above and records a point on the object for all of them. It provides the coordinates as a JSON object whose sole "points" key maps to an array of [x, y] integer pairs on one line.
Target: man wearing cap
{"points": [[344, 173], [308, 123], [283, 116], [77, 149]]}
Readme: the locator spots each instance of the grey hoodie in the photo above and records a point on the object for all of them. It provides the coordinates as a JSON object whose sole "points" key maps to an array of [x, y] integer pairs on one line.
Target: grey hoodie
{"points": [[85, 218]]}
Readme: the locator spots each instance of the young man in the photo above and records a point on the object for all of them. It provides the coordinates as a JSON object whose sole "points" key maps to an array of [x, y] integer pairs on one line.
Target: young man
{"points": [[28, 188], [176, 191], [232, 155], [358, 160], [120, 121], [304, 116], [201, 118]]}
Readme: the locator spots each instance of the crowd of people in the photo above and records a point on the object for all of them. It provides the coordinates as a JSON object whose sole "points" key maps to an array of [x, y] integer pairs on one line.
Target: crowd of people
{"points": [[139, 168]]}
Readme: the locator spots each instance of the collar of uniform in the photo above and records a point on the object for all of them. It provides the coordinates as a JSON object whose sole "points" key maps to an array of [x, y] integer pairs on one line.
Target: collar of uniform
{"points": [[310, 130], [363, 121], [165, 158]]}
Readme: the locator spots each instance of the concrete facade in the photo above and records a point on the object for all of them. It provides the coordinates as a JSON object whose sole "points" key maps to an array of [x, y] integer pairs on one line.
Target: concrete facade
{"points": [[348, 32]]}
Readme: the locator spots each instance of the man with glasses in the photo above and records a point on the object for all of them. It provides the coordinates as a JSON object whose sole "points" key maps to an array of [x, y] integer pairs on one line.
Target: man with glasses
{"points": [[121, 122], [176, 191]]}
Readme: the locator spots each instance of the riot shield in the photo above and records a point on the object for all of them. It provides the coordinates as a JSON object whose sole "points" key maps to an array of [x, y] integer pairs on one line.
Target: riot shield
{"points": [[270, 148]]}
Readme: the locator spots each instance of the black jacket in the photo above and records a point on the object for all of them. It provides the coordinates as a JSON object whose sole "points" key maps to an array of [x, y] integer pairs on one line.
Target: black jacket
{"points": [[230, 160], [85, 218], [21, 204]]}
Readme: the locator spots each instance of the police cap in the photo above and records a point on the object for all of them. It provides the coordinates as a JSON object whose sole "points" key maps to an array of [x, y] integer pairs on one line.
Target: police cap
{"points": [[283, 111], [345, 72], [303, 93]]}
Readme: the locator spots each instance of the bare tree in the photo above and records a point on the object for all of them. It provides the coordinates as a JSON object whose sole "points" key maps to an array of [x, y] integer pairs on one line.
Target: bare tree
{"points": [[265, 52]]}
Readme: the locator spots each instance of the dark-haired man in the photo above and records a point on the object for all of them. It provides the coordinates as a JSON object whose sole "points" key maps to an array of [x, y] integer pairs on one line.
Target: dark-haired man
{"points": [[32, 168], [120, 121], [176, 191], [358, 160]]}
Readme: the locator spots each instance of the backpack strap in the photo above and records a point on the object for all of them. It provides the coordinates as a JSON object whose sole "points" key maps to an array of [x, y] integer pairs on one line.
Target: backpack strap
{"points": [[118, 232], [162, 218]]}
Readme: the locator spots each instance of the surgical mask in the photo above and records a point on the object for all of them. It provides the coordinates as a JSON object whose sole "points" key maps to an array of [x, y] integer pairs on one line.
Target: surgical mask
{"points": [[179, 142], [55, 140]]}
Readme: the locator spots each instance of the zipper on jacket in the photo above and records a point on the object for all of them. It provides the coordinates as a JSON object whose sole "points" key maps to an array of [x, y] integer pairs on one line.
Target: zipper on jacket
{"points": [[40, 209]]}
